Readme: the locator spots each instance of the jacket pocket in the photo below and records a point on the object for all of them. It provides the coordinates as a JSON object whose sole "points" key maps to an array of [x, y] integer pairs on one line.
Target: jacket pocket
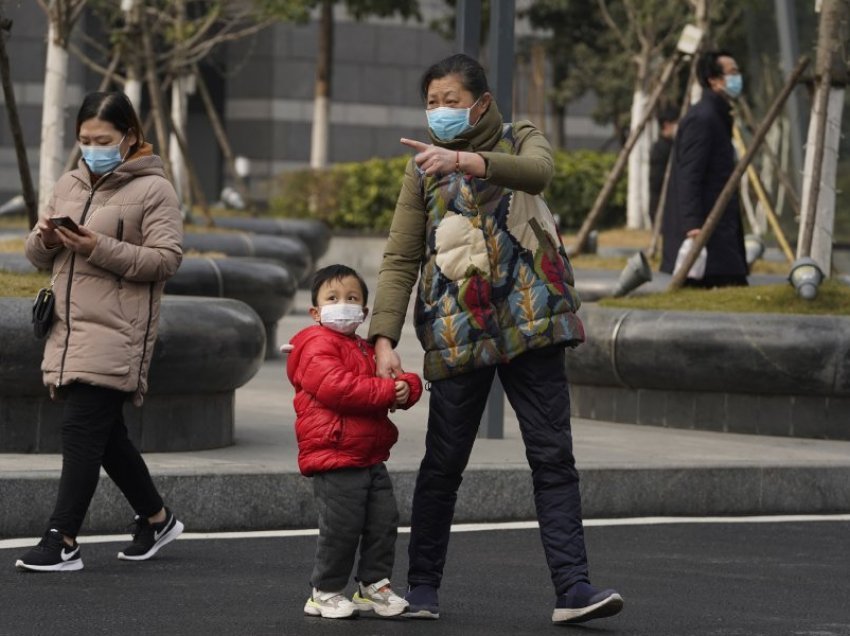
{"points": [[130, 299]]}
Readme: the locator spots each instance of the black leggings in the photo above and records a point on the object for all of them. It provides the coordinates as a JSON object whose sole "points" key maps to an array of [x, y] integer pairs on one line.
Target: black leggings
{"points": [[94, 435]]}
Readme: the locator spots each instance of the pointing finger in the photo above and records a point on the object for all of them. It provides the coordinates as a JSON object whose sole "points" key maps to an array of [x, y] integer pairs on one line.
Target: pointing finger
{"points": [[418, 146]]}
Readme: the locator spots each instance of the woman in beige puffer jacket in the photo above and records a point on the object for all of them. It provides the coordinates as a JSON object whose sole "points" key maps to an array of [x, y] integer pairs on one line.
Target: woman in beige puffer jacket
{"points": [[108, 279]]}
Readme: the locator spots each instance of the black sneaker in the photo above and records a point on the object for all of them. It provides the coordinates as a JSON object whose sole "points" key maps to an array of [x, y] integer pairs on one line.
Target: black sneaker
{"points": [[148, 538], [583, 602], [51, 554]]}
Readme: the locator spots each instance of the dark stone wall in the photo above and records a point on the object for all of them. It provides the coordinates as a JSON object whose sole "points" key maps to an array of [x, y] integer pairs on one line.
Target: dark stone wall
{"points": [[748, 373], [206, 348]]}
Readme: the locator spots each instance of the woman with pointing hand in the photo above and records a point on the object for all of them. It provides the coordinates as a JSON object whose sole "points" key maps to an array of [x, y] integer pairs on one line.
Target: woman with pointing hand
{"points": [[495, 295]]}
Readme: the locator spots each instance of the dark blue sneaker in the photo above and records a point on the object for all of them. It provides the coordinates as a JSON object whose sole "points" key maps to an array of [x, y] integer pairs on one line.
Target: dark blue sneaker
{"points": [[583, 602], [422, 602]]}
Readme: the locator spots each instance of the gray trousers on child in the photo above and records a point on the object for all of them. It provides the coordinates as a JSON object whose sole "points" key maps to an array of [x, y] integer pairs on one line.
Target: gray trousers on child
{"points": [[356, 506]]}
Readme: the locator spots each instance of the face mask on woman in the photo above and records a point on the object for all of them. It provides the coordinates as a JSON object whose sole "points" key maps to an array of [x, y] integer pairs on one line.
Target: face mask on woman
{"points": [[447, 123], [102, 159], [734, 85], [342, 317]]}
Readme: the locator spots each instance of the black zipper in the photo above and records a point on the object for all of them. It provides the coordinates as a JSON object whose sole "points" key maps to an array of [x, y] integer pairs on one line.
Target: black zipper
{"points": [[92, 190], [147, 333], [119, 234]]}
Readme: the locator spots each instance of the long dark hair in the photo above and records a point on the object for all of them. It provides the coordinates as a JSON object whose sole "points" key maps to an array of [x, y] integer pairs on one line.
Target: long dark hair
{"points": [[471, 74], [117, 110]]}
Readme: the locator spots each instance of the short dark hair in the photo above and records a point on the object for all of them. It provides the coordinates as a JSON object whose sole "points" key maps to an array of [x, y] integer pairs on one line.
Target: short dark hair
{"points": [[335, 272], [708, 66], [667, 114], [471, 74], [115, 108]]}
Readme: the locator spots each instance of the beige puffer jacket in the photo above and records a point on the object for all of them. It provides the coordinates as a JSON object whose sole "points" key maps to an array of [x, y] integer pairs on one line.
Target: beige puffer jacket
{"points": [[107, 305]]}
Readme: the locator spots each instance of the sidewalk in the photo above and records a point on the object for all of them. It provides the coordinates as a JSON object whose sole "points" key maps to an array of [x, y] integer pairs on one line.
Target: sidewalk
{"points": [[626, 470]]}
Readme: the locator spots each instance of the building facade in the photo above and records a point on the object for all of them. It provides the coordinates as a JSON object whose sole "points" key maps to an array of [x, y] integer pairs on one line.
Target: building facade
{"points": [[263, 88]]}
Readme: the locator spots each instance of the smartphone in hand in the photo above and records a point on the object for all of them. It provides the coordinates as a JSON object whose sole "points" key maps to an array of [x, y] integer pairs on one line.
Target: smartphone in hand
{"points": [[67, 222]]}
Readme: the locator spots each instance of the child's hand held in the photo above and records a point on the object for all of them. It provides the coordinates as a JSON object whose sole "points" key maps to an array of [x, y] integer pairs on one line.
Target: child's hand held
{"points": [[402, 392]]}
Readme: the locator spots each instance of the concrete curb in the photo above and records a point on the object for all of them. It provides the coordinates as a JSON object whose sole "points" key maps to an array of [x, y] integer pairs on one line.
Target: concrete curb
{"points": [[263, 501]]}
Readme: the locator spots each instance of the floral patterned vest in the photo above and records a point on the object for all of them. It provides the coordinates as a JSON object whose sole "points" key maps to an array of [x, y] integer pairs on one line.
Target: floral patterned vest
{"points": [[495, 281]]}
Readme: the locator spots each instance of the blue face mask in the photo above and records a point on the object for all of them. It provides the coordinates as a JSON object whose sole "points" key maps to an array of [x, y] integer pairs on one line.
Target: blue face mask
{"points": [[102, 159], [734, 85], [447, 123]]}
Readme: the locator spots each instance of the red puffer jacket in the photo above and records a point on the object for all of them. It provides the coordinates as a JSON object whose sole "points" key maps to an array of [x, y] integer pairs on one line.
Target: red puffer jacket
{"points": [[340, 404]]}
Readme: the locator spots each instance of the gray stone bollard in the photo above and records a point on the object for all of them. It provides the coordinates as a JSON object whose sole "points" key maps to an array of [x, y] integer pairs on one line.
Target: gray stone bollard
{"points": [[315, 234], [291, 252], [264, 285]]}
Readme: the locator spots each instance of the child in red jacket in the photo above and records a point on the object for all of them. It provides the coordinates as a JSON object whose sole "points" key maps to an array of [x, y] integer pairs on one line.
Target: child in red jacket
{"points": [[344, 437]]}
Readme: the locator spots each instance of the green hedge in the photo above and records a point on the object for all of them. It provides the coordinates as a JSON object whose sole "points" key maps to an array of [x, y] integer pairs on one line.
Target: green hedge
{"points": [[362, 195]]}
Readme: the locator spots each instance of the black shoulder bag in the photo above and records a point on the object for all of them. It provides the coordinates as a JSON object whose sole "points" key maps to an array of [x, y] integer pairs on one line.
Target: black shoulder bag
{"points": [[42, 307], [42, 312]]}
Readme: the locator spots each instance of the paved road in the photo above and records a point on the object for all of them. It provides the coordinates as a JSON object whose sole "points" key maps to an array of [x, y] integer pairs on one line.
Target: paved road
{"points": [[677, 579]]}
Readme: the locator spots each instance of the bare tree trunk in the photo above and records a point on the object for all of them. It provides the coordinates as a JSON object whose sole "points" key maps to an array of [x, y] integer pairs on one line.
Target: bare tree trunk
{"points": [[637, 200], [788, 187], [822, 149], [537, 92], [761, 193], [221, 136], [157, 109], [15, 124], [192, 174], [133, 86], [51, 155], [620, 164], [179, 113], [559, 113], [322, 102]]}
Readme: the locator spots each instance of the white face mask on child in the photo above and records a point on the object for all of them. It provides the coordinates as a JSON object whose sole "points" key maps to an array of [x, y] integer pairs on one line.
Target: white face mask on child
{"points": [[342, 317]]}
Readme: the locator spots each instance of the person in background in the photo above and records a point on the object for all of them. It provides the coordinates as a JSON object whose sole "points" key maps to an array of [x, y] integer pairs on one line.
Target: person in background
{"points": [[108, 277], [668, 116], [703, 160], [344, 438], [495, 296]]}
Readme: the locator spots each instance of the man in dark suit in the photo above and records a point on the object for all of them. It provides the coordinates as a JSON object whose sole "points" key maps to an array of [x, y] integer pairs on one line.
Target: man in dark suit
{"points": [[703, 159]]}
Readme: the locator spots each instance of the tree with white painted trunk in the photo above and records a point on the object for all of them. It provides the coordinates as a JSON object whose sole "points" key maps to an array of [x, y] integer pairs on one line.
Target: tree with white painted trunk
{"points": [[357, 9], [820, 166], [62, 15], [133, 85], [645, 29], [163, 41]]}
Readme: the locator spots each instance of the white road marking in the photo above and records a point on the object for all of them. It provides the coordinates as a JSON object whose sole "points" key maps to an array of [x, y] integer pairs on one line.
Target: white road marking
{"points": [[462, 527]]}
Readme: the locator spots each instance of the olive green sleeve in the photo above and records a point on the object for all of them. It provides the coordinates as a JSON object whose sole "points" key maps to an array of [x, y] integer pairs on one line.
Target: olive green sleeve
{"points": [[402, 259], [530, 169]]}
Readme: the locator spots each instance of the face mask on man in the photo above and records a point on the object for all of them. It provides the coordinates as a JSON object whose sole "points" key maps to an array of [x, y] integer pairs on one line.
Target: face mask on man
{"points": [[342, 317], [102, 159], [447, 123], [734, 85]]}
